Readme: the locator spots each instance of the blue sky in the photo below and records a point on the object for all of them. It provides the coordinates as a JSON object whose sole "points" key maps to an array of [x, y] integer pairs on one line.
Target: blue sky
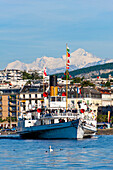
{"points": [[36, 28]]}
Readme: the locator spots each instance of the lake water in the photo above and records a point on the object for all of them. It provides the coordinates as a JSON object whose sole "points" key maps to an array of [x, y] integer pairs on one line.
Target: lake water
{"points": [[94, 153]]}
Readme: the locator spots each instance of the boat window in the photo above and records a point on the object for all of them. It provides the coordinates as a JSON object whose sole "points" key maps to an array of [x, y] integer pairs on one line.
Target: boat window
{"points": [[63, 99], [58, 98], [52, 121], [72, 102], [52, 99]]}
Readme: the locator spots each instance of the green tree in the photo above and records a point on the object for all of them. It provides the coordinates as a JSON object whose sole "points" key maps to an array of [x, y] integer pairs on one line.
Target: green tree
{"points": [[107, 84], [35, 76], [77, 80], [28, 82], [102, 118], [87, 83], [26, 75]]}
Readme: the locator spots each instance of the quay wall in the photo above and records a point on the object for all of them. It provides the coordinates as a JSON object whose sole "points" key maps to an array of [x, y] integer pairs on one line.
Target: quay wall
{"points": [[105, 131]]}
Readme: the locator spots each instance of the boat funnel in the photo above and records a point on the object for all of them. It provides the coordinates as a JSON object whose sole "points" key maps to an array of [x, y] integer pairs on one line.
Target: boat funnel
{"points": [[53, 86]]}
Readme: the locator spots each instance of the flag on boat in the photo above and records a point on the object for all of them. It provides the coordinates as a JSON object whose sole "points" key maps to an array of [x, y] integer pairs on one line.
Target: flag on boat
{"points": [[67, 55], [45, 74], [70, 76], [68, 49], [67, 66], [78, 90], [68, 61], [45, 94]]}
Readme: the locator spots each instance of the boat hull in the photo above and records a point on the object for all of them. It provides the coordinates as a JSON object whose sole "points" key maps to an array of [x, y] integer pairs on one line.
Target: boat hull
{"points": [[89, 131], [66, 130]]}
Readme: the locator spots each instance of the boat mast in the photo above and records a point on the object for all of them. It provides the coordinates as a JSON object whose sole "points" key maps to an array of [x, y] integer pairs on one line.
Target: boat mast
{"points": [[66, 79], [43, 88]]}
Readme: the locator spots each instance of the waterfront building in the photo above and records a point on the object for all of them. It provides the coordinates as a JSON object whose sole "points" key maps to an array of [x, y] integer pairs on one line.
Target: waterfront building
{"points": [[9, 107], [106, 99], [31, 98], [90, 96], [16, 100], [10, 74], [77, 94], [40, 72]]}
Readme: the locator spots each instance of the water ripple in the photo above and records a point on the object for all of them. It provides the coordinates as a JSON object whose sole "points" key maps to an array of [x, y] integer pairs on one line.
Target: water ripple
{"points": [[95, 153]]}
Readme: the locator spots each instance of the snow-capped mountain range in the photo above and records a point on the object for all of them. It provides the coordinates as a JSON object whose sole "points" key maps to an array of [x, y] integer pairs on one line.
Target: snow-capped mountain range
{"points": [[78, 59]]}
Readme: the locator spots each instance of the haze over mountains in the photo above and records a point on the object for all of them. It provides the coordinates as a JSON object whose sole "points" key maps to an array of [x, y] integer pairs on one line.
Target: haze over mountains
{"points": [[78, 59]]}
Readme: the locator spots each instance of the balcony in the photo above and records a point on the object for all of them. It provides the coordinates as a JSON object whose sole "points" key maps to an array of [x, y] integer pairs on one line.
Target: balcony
{"points": [[12, 104], [12, 99], [11, 109], [106, 99]]}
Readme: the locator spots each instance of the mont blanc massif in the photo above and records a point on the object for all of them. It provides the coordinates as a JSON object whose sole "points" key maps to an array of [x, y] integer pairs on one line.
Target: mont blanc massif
{"points": [[79, 59]]}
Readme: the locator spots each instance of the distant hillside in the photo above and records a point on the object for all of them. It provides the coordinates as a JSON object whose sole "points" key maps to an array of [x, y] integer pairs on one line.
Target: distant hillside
{"points": [[93, 71]]}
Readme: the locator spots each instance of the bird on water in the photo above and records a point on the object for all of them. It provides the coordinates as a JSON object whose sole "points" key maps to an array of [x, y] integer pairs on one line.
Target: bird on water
{"points": [[50, 149]]}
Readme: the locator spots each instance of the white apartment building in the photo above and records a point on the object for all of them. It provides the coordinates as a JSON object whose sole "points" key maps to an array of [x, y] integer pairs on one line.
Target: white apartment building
{"points": [[107, 99], [10, 74]]}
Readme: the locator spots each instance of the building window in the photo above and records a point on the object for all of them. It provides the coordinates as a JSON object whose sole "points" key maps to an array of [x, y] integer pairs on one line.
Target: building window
{"points": [[29, 101], [35, 101], [72, 96], [87, 95], [35, 95], [29, 95], [23, 96], [14, 114], [24, 107]]}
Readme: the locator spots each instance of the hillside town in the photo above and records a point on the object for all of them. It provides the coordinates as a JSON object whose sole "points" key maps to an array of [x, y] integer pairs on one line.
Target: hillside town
{"points": [[19, 95]]}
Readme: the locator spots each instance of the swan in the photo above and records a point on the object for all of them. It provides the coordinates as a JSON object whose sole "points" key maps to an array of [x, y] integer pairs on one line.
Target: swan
{"points": [[50, 149]]}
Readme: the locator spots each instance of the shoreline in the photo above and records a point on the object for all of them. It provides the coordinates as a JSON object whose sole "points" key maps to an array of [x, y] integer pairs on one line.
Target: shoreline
{"points": [[7, 133], [99, 132], [105, 131]]}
